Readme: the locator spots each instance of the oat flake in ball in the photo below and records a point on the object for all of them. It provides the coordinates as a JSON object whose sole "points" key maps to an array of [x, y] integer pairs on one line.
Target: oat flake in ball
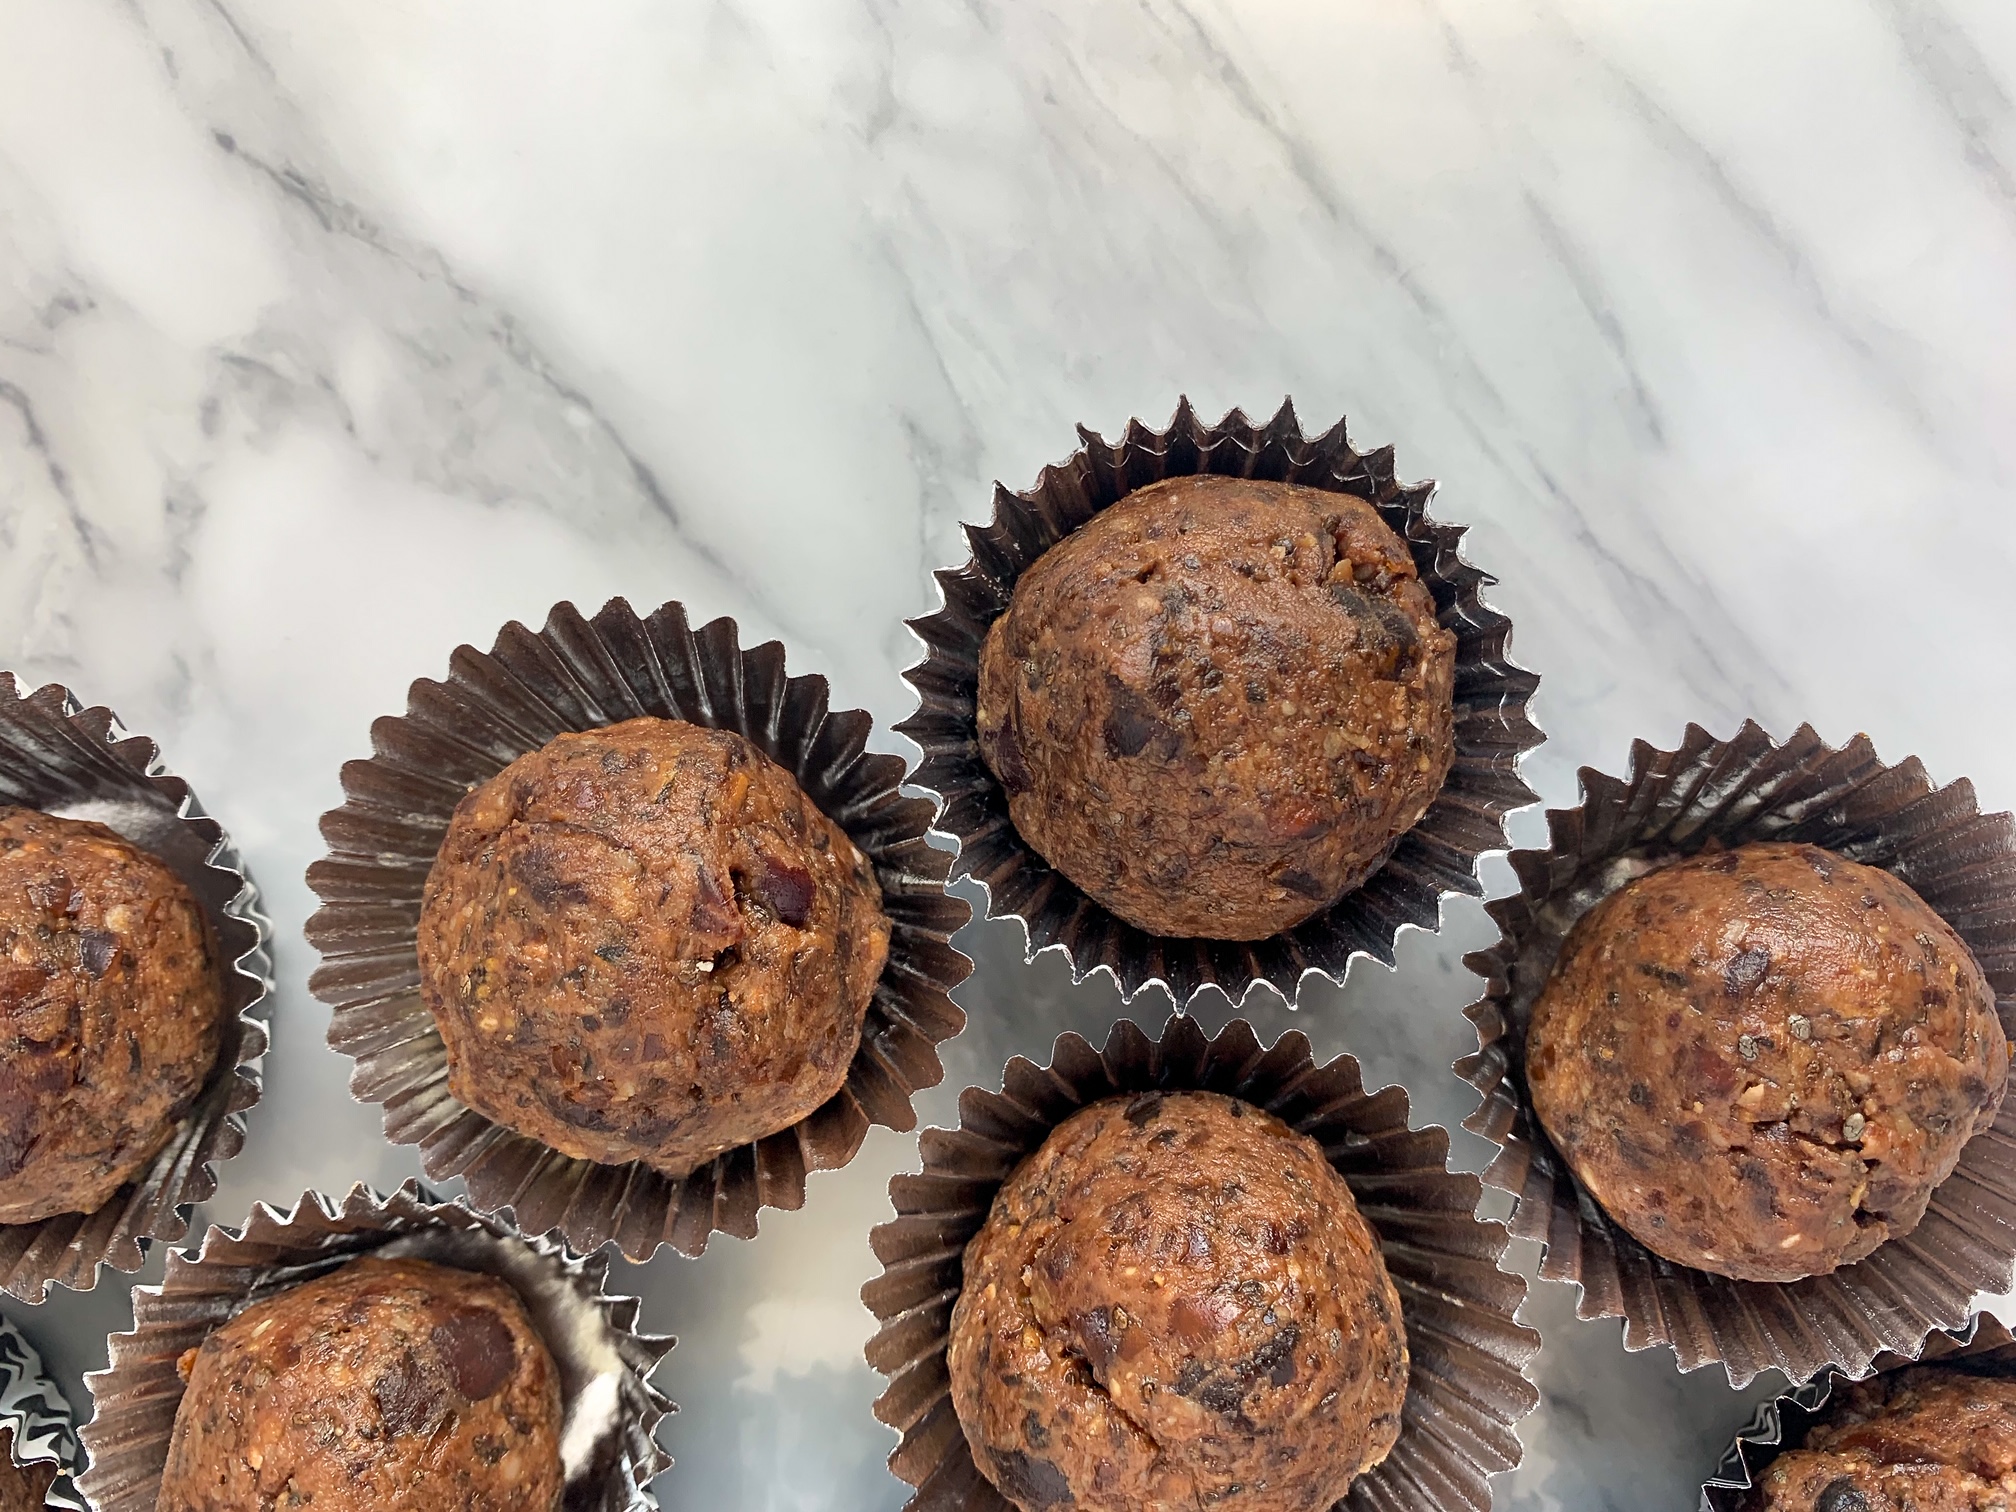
{"points": [[644, 942], [1219, 704], [1175, 1303], [387, 1386], [1762, 1061], [111, 1012]]}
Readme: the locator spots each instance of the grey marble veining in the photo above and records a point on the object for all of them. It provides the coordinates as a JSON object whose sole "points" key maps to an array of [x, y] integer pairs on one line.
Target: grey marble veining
{"points": [[334, 334]]}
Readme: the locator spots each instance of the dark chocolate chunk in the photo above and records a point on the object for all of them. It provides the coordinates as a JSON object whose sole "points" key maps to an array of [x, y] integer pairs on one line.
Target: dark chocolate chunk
{"points": [[475, 1346], [1131, 723], [542, 873], [408, 1401], [1095, 1338], [1030, 1481], [99, 948], [1144, 1108], [787, 890], [1840, 1495], [1746, 969]]}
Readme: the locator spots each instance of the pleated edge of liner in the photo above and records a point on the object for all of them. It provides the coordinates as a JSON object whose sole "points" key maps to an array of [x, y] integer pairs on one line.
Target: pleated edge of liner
{"points": [[254, 964], [412, 1205], [1493, 957], [897, 789], [31, 1403], [1081, 973], [890, 1377], [1736, 1475]]}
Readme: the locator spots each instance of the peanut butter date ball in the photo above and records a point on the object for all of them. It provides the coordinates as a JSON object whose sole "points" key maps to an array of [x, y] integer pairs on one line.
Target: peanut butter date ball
{"points": [[1918, 1440], [22, 1490], [1218, 705], [387, 1386], [111, 1012], [1175, 1303], [644, 942], [1761, 1061]]}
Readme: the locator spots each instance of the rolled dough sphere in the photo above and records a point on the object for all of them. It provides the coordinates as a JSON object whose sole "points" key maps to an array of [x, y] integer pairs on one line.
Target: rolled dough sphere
{"points": [[111, 1012], [386, 1386], [1761, 1061], [644, 942], [1219, 704], [1175, 1303], [1919, 1440]]}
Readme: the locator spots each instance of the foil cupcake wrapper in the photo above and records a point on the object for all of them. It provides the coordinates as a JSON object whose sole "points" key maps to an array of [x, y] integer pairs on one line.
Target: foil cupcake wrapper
{"points": [[579, 674], [1466, 1389], [608, 1444], [1960, 861], [79, 763], [1779, 1425], [1438, 856], [36, 1419]]}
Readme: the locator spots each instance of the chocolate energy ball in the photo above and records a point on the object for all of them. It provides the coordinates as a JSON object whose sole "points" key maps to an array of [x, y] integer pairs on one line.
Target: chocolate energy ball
{"points": [[1175, 1303], [1218, 705], [1920, 1440], [646, 943], [386, 1386], [22, 1490], [111, 1012], [1761, 1061]]}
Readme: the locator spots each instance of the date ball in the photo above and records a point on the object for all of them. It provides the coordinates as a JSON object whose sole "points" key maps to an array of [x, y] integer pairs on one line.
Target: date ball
{"points": [[1920, 1440], [387, 1386], [1761, 1061], [111, 1012], [22, 1489], [1175, 1303], [1217, 706], [644, 942]]}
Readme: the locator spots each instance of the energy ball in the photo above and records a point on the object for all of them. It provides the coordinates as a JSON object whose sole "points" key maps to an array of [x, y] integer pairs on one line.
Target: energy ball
{"points": [[1761, 1061], [644, 942], [387, 1386], [1218, 705], [1175, 1303], [1919, 1440], [111, 1012], [22, 1490]]}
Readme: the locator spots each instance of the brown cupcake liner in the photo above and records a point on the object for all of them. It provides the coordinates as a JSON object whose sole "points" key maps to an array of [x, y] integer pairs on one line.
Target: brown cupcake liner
{"points": [[611, 1412], [1983, 1345], [36, 1419], [580, 674], [1466, 1389], [79, 763], [1438, 856], [1960, 861]]}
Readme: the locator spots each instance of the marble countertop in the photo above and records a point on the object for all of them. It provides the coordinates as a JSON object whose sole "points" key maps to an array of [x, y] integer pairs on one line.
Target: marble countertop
{"points": [[333, 334]]}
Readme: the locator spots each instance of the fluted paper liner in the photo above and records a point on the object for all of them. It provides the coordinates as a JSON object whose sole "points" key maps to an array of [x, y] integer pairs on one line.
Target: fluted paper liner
{"points": [[1779, 1425], [36, 1419], [611, 1412], [1466, 1390], [580, 674], [1751, 788], [1437, 856], [79, 763]]}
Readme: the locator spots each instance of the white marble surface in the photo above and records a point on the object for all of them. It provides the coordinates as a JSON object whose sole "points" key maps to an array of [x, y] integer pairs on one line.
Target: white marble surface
{"points": [[333, 333]]}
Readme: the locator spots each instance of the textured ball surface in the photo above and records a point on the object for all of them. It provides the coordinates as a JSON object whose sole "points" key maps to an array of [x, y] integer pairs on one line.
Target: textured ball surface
{"points": [[1761, 1061], [1218, 705], [1175, 1303], [386, 1386], [111, 1012], [644, 942], [1919, 1440]]}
